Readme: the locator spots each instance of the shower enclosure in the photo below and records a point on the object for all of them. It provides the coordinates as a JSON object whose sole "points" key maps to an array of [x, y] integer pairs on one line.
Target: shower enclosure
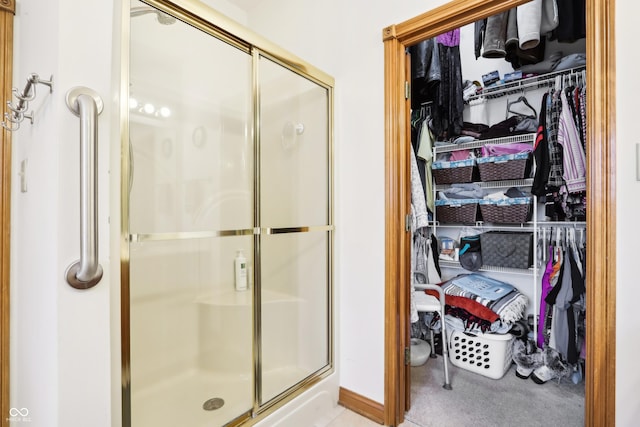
{"points": [[229, 148]]}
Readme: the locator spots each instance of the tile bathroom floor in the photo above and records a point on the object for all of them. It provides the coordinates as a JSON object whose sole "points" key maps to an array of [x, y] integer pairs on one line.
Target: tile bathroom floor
{"points": [[348, 418]]}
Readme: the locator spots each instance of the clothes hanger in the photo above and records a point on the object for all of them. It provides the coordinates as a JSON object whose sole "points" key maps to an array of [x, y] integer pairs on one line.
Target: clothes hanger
{"points": [[525, 101], [544, 245], [416, 117], [570, 84], [558, 85], [572, 238]]}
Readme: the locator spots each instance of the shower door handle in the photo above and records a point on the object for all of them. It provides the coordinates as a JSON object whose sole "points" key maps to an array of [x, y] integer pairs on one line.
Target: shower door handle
{"points": [[87, 104]]}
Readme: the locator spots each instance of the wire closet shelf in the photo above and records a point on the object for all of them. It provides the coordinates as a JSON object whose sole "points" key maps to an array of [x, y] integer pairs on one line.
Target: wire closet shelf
{"points": [[536, 82]]}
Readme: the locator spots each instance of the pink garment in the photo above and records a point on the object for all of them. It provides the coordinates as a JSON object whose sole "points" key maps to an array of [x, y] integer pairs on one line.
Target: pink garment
{"points": [[490, 150], [459, 155]]}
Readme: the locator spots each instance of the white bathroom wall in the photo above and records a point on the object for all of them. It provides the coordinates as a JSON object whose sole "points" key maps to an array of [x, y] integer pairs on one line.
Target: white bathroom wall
{"points": [[628, 206], [61, 348], [231, 9]]}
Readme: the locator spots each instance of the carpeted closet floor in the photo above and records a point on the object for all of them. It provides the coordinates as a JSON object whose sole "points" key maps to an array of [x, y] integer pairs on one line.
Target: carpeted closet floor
{"points": [[480, 401]]}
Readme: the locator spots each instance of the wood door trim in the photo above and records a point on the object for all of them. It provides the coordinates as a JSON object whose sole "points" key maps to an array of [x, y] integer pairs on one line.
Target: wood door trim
{"points": [[601, 272], [600, 392], [7, 11], [361, 405], [395, 240]]}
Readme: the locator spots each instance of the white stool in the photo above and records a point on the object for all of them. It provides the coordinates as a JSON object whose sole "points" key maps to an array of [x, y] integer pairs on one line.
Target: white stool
{"points": [[426, 303]]}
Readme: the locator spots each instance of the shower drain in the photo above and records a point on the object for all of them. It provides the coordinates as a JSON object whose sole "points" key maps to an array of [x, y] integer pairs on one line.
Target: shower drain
{"points": [[213, 404]]}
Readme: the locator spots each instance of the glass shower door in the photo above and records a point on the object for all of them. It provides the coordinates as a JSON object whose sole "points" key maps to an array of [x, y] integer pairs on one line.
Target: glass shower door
{"points": [[295, 219], [191, 209]]}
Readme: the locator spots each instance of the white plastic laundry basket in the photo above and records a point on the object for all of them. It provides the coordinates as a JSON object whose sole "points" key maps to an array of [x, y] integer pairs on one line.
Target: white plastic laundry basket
{"points": [[485, 354]]}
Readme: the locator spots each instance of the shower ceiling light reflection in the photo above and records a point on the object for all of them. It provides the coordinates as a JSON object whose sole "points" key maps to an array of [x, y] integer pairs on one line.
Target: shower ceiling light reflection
{"points": [[148, 108]]}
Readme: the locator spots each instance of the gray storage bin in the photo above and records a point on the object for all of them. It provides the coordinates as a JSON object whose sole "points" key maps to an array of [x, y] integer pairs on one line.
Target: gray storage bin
{"points": [[511, 249]]}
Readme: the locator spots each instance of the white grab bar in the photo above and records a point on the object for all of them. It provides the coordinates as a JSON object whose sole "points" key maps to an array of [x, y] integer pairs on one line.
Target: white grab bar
{"points": [[87, 104]]}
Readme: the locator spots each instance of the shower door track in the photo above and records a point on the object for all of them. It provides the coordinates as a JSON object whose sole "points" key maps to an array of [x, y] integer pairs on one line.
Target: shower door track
{"points": [[156, 237]]}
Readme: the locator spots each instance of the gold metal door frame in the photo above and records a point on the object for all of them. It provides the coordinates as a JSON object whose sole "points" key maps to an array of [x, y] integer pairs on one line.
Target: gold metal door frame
{"points": [[217, 25]]}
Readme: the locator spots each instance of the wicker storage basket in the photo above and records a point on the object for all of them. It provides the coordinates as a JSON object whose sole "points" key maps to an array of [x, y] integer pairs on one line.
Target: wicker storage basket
{"points": [[459, 171], [501, 168], [462, 211], [509, 211], [490, 355]]}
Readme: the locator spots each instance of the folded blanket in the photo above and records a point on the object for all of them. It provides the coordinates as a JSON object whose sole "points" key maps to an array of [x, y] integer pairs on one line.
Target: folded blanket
{"points": [[469, 321], [457, 323], [462, 191], [501, 298], [472, 307], [482, 286]]}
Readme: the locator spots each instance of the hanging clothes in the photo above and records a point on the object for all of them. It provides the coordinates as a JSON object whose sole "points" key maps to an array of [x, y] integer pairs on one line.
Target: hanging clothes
{"points": [[478, 36], [546, 288], [426, 75], [546, 316], [574, 162], [561, 171], [541, 152], [583, 116], [418, 201], [425, 153], [517, 35], [450, 97], [561, 324], [418, 117], [422, 260], [572, 21], [554, 107]]}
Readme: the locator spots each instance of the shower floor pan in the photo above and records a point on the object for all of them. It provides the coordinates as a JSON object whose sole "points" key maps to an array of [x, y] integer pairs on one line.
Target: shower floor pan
{"points": [[178, 401]]}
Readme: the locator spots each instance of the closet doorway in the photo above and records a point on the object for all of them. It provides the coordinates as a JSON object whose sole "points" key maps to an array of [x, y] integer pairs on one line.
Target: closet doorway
{"points": [[601, 274]]}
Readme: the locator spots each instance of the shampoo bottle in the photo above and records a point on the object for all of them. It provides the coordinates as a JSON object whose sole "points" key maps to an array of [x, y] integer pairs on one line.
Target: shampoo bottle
{"points": [[241, 271]]}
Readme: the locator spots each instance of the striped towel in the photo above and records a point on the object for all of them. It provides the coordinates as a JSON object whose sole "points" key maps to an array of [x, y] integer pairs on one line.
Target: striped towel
{"points": [[508, 303]]}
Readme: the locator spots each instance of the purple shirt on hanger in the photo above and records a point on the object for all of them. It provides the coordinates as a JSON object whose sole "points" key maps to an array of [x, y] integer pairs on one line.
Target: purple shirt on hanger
{"points": [[450, 38], [546, 287]]}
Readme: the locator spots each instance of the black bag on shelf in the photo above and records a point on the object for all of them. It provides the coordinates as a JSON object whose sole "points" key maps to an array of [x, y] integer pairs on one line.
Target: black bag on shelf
{"points": [[470, 255]]}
